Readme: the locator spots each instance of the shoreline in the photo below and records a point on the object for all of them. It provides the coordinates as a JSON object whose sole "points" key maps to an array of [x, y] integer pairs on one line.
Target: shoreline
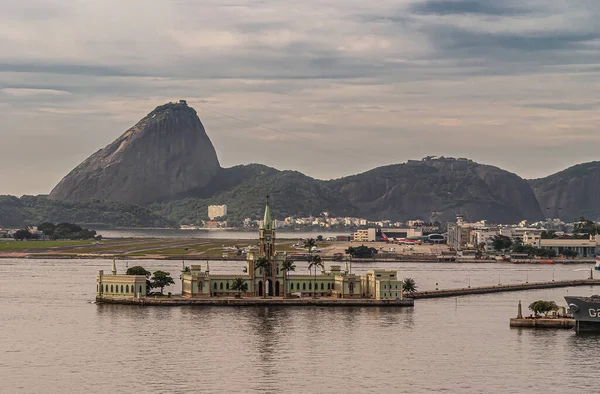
{"points": [[256, 301]]}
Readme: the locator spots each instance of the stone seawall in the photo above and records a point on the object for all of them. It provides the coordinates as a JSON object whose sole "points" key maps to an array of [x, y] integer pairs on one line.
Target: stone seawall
{"points": [[254, 301], [542, 322], [504, 288]]}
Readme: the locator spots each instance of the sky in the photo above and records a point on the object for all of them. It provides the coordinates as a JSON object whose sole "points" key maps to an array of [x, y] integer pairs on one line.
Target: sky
{"points": [[326, 87]]}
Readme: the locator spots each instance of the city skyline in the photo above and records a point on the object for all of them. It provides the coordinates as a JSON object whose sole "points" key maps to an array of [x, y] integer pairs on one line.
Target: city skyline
{"points": [[348, 85]]}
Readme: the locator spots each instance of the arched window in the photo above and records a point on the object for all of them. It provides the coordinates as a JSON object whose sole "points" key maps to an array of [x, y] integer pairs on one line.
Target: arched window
{"points": [[97, 288], [127, 289], [215, 286], [309, 285], [227, 286], [292, 286], [396, 286], [106, 288], [140, 291], [121, 288], [111, 289], [221, 286], [322, 285], [303, 286]]}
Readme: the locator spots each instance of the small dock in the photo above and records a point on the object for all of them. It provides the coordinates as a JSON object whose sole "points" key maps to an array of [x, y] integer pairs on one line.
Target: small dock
{"points": [[564, 322], [256, 301], [503, 288], [543, 322]]}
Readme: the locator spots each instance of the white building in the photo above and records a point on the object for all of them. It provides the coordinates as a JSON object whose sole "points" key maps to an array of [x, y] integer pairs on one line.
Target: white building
{"points": [[365, 235], [583, 247], [216, 211]]}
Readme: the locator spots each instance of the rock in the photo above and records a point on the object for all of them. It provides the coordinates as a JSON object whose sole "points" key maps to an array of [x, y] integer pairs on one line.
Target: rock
{"points": [[570, 193], [165, 154]]}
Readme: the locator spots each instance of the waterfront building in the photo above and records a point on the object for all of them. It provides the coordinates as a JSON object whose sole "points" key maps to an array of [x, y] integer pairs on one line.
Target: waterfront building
{"points": [[583, 247], [216, 211], [120, 285], [365, 235], [273, 281]]}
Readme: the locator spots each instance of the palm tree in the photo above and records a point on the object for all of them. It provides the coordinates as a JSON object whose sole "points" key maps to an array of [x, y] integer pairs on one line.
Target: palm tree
{"points": [[315, 262], [264, 264], [409, 286], [288, 265], [310, 244], [240, 285]]}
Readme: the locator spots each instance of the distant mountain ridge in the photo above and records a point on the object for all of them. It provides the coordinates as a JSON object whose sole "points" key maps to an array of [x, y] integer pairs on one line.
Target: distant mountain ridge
{"points": [[570, 193], [167, 162]]}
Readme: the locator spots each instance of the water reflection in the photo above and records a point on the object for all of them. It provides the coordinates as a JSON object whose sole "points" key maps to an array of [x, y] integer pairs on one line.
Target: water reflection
{"points": [[53, 337]]}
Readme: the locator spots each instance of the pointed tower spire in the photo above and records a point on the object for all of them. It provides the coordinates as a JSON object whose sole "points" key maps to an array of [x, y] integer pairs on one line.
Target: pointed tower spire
{"points": [[267, 223], [114, 267]]}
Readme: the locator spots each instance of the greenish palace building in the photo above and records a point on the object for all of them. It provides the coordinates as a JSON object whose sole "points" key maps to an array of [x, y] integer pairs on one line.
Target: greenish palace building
{"points": [[120, 285], [276, 282], [273, 281]]}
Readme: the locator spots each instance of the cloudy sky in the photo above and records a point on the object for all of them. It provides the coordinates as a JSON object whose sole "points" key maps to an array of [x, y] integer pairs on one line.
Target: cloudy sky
{"points": [[329, 88]]}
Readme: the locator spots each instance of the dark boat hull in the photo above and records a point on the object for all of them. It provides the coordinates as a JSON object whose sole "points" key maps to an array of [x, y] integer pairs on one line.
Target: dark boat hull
{"points": [[586, 311]]}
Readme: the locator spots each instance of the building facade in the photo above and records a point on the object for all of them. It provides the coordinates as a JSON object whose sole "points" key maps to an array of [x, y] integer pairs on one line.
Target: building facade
{"points": [[216, 211], [583, 247], [274, 281], [120, 285]]}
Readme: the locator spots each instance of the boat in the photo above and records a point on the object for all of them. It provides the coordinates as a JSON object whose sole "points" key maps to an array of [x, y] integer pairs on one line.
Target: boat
{"points": [[586, 311], [597, 266]]}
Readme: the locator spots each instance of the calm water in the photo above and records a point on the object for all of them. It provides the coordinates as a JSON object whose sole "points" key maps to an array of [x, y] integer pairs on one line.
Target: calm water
{"points": [[214, 234], [53, 339]]}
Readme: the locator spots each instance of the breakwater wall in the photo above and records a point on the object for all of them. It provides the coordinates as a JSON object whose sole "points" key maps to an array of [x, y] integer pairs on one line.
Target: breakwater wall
{"points": [[255, 301], [542, 322], [503, 288]]}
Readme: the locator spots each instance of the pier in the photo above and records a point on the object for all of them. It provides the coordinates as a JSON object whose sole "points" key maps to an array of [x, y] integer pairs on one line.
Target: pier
{"points": [[503, 288]]}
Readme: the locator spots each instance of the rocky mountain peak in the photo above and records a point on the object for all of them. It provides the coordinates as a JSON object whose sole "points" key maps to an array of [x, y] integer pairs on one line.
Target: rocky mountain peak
{"points": [[165, 154]]}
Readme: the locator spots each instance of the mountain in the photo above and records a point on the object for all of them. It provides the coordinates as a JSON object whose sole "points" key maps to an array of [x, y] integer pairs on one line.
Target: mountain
{"points": [[165, 154], [570, 193], [167, 162], [431, 189], [33, 210], [438, 189]]}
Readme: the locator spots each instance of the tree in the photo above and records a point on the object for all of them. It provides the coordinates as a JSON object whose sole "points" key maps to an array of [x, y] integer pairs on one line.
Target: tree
{"points": [[47, 228], [161, 279], [541, 306], [264, 264], [502, 242], [20, 235], [363, 252], [315, 262], [409, 286], [569, 253], [320, 238], [586, 227], [288, 265], [240, 285], [350, 251], [137, 270], [310, 244]]}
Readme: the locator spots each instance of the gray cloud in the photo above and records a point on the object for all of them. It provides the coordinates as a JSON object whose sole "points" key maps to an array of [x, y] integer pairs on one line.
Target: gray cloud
{"points": [[452, 7], [509, 83]]}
